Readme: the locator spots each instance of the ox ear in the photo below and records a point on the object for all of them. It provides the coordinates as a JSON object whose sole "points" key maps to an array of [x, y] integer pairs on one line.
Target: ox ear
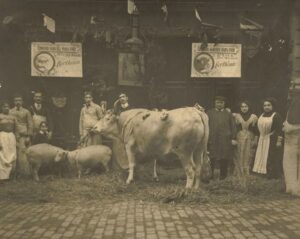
{"points": [[116, 117], [109, 112]]}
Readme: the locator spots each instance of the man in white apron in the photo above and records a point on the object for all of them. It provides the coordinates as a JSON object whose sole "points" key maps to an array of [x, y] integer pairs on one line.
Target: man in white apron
{"points": [[90, 114], [24, 130]]}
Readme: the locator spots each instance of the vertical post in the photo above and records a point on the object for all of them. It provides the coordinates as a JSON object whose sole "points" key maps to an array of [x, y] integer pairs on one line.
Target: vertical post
{"points": [[292, 126], [295, 40]]}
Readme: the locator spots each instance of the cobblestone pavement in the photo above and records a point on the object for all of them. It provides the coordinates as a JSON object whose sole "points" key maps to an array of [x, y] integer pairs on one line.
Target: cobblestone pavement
{"points": [[131, 219]]}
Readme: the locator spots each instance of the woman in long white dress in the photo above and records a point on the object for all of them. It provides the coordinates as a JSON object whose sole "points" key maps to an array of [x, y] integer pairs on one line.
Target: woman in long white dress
{"points": [[244, 152], [8, 153]]}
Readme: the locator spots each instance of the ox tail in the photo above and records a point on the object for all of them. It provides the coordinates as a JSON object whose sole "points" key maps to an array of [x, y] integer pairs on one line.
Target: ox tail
{"points": [[204, 119]]}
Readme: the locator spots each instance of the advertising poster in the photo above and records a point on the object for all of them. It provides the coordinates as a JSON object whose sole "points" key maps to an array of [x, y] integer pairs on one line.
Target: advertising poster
{"points": [[217, 60], [60, 59]]}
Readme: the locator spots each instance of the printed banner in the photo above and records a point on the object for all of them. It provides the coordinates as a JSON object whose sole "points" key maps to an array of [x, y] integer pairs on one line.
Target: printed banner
{"points": [[60, 59], [221, 60]]}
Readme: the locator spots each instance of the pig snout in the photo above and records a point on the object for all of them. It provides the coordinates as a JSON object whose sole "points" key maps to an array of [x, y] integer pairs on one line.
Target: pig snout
{"points": [[60, 156]]}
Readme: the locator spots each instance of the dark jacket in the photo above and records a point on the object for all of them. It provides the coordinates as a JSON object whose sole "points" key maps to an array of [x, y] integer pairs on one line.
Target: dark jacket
{"points": [[222, 130]]}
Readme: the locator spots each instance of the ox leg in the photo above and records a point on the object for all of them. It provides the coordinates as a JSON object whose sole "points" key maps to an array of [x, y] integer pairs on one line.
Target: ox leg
{"points": [[131, 162], [198, 159], [189, 168], [79, 171], [155, 177], [35, 174], [87, 171], [106, 167]]}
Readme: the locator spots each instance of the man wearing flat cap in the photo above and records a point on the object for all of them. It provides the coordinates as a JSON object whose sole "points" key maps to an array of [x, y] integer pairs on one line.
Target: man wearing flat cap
{"points": [[222, 134], [122, 104]]}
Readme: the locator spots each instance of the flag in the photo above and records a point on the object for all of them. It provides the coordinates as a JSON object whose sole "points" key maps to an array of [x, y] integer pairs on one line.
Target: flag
{"points": [[49, 23], [93, 21], [197, 15], [250, 25], [165, 11], [131, 7], [8, 19]]}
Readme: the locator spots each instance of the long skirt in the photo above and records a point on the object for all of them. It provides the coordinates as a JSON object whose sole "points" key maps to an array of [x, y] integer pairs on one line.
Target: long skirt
{"points": [[8, 154], [244, 153]]}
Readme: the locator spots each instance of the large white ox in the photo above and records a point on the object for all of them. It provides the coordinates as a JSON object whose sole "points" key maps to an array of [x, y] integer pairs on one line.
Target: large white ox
{"points": [[182, 131]]}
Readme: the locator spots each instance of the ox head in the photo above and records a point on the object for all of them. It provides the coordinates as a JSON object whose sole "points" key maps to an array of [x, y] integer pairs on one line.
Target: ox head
{"points": [[108, 125], [61, 155]]}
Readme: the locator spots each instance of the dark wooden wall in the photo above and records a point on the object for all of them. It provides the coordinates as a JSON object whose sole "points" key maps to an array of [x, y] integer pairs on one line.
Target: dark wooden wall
{"points": [[182, 90]]}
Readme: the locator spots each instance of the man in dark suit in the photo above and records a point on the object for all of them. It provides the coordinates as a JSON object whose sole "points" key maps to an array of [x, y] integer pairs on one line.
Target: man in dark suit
{"points": [[40, 113], [222, 134]]}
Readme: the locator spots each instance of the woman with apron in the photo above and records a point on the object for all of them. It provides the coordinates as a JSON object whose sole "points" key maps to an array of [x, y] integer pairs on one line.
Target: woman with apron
{"points": [[8, 151], [268, 158]]}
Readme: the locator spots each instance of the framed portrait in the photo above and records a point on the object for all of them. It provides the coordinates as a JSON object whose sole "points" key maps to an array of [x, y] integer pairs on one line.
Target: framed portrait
{"points": [[131, 69]]}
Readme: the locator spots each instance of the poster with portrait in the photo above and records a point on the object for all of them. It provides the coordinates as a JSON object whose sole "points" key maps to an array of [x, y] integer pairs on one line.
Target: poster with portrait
{"points": [[60, 59], [131, 69], [216, 60]]}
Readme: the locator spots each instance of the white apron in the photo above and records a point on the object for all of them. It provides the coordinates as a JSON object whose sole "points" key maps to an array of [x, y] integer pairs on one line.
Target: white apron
{"points": [[264, 125], [8, 154]]}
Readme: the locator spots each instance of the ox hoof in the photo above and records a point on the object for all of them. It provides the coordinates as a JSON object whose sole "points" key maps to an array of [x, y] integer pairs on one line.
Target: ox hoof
{"points": [[129, 181], [156, 179]]}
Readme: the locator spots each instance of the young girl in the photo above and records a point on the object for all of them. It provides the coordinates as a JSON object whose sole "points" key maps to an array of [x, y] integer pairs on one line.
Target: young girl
{"points": [[43, 135]]}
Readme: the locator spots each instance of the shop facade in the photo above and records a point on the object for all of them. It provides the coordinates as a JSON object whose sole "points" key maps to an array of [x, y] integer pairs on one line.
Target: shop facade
{"points": [[102, 29]]}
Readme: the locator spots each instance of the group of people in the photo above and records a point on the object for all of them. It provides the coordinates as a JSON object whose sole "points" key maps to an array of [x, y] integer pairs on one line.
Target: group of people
{"points": [[239, 143], [21, 127], [243, 142]]}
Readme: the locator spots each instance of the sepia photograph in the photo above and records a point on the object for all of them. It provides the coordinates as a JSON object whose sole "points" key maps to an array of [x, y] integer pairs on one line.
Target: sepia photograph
{"points": [[149, 119]]}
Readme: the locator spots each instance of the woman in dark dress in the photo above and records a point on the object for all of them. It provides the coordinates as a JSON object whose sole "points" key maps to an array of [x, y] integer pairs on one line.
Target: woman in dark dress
{"points": [[268, 157]]}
